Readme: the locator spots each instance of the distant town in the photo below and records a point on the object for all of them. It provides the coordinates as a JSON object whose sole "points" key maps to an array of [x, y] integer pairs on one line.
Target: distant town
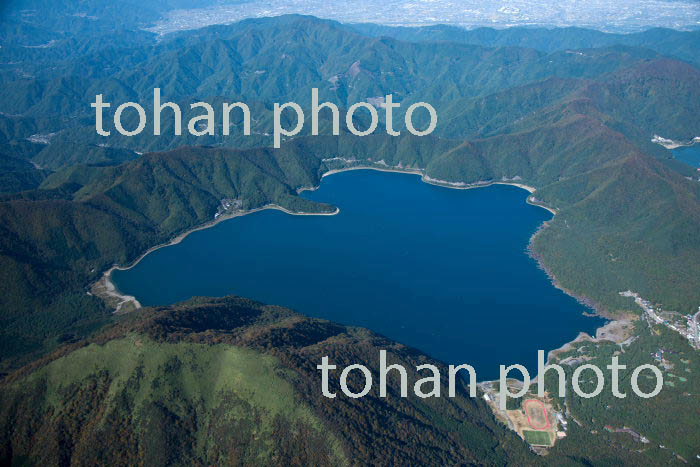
{"points": [[618, 16]]}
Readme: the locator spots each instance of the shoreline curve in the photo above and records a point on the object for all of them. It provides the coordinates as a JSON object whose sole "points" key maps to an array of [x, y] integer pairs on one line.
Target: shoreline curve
{"points": [[106, 289]]}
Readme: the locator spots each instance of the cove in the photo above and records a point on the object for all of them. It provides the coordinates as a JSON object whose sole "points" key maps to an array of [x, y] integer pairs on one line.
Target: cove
{"points": [[688, 154], [442, 270]]}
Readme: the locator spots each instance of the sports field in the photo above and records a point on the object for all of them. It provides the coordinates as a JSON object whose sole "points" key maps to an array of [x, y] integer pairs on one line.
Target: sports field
{"points": [[536, 414], [538, 438]]}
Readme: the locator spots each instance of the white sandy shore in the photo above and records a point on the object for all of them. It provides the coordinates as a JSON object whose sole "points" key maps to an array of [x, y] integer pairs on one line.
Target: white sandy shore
{"points": [[106, 287], [109, 289], [469, 186], [671, 144]]}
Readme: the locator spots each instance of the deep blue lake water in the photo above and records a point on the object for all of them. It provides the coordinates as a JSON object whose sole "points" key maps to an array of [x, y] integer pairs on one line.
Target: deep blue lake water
{"points": [[438, 269], [690, 155]]}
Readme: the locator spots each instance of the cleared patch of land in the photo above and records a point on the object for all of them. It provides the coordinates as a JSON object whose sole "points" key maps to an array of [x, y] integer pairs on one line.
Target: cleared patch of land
{"points": [[536, 414], [538, 438]]}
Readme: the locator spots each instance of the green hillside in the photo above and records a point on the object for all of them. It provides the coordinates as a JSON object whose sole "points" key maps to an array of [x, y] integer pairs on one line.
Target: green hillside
{"points": [[229, 382], [17, 174]]}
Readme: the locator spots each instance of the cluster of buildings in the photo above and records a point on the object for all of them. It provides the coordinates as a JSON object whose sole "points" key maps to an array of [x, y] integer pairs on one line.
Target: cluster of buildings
{"points": [[228, 205], [687, 326]]}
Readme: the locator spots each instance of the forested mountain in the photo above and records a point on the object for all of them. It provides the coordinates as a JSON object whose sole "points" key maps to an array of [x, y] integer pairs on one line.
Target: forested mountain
{"points": [[274, 60], [569, 112], [225, 381]]}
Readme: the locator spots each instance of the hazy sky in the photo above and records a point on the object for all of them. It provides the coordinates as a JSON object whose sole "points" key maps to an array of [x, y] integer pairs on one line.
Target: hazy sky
{"points": [[608, 15]]}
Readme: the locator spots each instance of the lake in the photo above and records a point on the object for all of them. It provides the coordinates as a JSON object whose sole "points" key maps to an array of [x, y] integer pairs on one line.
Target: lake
{"points": [[688, 154], [442, 270]]}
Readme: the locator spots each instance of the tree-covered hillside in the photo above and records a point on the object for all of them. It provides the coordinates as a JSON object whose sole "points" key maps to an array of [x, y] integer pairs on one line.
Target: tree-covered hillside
{"points": [[571, 113], [229, 382]]}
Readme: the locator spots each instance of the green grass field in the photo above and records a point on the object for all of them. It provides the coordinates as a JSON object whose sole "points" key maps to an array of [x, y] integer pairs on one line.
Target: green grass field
{"points": [[225, 387], [538, 438]]}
